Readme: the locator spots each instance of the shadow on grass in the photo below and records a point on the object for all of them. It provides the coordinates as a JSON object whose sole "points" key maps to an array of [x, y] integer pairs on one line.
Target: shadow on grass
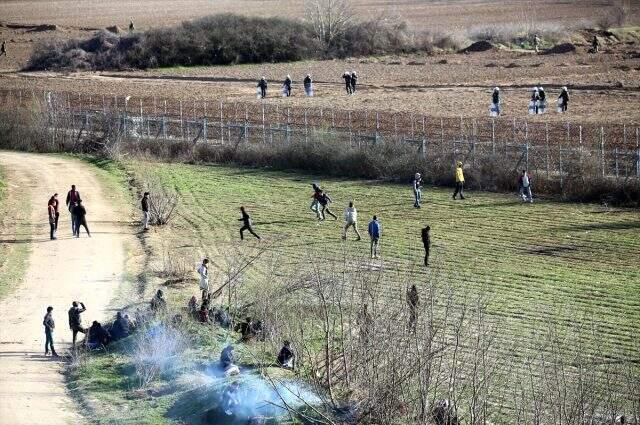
{"points": [[601, 226]]}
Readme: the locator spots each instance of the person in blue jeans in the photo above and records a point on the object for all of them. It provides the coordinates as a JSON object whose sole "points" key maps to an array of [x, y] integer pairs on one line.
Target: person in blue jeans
{"points": [[417, 190], [374, 234]]}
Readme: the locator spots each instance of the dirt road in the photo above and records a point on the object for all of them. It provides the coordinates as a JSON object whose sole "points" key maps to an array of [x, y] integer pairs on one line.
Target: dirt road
{"points": [[32, 389]]}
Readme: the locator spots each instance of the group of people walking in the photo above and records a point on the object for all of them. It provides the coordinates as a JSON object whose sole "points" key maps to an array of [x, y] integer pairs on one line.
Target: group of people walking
{"points": [[350, 79], [537, 103], [76, 209]]}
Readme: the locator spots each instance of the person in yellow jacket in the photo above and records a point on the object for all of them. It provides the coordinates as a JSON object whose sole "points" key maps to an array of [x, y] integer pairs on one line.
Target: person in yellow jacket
{"points": [[459, 181]]}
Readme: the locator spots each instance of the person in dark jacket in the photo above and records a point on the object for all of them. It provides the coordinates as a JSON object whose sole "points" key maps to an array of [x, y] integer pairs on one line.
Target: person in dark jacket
{"points": [[595, 44], [75, 321], [262, 85], [543, 100], [145, 211], [354, 80], [49, 326], [413, 300], [80, 214], [347, 81], [426, 241], [56, 203], [3, 48], [286, 357], [120, 328], [246, 224], [535, 101], [158, 303], [286, 86], [495, 100], [308, 85], [564, 99], [226, 356], [324, 200], [97, 336], [73, 196], [315, 203]]}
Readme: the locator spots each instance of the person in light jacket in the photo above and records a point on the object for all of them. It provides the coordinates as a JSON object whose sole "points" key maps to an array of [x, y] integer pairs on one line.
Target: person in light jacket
{"points": [[524, 187], [351, 220], [203, 271]]}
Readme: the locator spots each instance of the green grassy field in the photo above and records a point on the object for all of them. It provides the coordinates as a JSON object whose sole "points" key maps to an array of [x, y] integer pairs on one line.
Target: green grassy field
{"points": [[569, 263]]}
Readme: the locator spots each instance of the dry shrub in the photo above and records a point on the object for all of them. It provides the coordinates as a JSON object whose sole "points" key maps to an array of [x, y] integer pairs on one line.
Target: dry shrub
{"points": [[615, 17], [174, 266], [163, 200]]}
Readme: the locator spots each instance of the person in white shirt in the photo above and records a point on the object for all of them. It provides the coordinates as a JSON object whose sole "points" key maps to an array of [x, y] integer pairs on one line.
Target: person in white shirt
{"points": [[417, 190], [203, 271], [351, 219], [524, 187]]}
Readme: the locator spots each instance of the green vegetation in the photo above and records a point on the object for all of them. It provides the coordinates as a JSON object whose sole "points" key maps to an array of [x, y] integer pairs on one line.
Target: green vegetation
{"points": [[13, 256]]}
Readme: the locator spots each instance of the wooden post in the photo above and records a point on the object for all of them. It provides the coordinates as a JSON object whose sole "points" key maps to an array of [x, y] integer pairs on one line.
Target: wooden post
{"points": [[493, 136], [548, 151], [181, 122], [602, 149], [246, 123], [350, 131], [306, 128], [264, 129], [616, 159]]}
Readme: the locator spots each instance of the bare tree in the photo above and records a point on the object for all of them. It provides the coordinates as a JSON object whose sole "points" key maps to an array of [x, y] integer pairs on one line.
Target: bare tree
{"points": [[329, 18]]}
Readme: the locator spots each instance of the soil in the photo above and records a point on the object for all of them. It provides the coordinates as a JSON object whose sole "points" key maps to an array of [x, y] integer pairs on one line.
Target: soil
{"points": [[32, 387]]}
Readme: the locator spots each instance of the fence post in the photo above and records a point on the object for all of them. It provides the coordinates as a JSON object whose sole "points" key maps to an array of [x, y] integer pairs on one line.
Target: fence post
{"points": [[377, 126], [548, 152], [526, 156], [602, 149], [181, 123], [350, 132], [616, 158], [637, 152], [306, 128], [424, 149], [204, 121], [164, 121], [580, 141], [493, 137], [333, 119], [561, 174], [424, 127], [288, 125], [264, 134], [246, 123]]}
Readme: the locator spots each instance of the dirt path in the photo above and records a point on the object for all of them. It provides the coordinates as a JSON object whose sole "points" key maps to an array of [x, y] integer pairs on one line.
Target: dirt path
{"points": [[32, 389]]}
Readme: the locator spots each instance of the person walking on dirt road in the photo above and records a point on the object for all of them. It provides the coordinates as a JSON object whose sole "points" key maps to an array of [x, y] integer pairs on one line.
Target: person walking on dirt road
{"points": [[3, 48], [246, 224], [459, 181], [75, 321], [73, 196], [347, 81], [145, 211], [563, 100], [54, 201], [80, 214], [51, 212], [49, 326], [374, 231], [351, 220], [426, 241]]}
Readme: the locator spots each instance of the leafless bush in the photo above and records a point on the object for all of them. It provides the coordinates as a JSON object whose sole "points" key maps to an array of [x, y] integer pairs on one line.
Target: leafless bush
{"points": [[163, 200], [614, 17], [157, 350], [518, 33], [174, 266], [329, 18]]}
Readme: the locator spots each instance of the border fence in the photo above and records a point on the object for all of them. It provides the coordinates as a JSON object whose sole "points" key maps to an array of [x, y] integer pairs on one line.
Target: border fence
{"points": [[542, 147]]}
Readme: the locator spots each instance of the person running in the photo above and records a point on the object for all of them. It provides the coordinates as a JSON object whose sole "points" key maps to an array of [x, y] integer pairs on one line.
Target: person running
{"points": [[563, 100], [3, 48], [413, 300], [54, 201], [426, 241], [459, 181], [246, 224], [262, 86], [286, 86], [542, 100], [80, 214], [49, 326], [315, 203], [417, 190], [203, 271], [354, 80], [73, 196], [308, 85], [351, 220], [524, 187], [145, 211], [495, 101], [51, 212], [324, 200], [374, 233], [75, 321], [347, 81]]}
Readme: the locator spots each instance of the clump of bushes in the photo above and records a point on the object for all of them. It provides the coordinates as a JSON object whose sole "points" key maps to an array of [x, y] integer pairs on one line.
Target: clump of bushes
{"points": [[221, 40]]}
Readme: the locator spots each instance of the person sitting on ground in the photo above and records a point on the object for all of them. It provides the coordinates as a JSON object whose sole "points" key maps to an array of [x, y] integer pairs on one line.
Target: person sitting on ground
{"points": [[245, 328], [286, 357], [221, 317], [97, 336], [132, 325], [120, 328], [227, 358], [444, 413], [203, 315], [158, 302], [192, 306]]}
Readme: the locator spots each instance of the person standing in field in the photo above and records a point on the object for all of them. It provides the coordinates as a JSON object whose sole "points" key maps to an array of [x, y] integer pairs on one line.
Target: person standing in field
{"points": [[524, 187], [375, 231], [132, 27], [73, 196], [595, 44], [80, 214], [54, 201], [536, 43], [315, 203], [324, 200], [262, 86], [354, 80], [3, 48], [535, 100], [286, 86], [413, 300], [203, 271], [145, 211], [417, 190], [246, 224], [308, 85], [347, 81], [495, 102], [351, 220], [459, 181], [75, 321], [563, 100], [542, 100], [426, 241], [51, 212], [49, 326]]}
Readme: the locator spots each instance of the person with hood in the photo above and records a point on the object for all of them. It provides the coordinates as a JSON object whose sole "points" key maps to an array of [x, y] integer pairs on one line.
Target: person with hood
{"points": [[495, 102], [246, 224], [563, 100], [286, 86], [354, 80], [324, 200], [75, 321], [459, 181], [426, 241], [203, 271], [535, 98], [49, 326], [120, 328], [262, 87], [347, 81], [158, 303], [286, 357], [374, 231], [80, 214], [3, 48], [542, 101], [308, 85], [524, 187], [351, 220], [227, 358], [97, 336], [417, 190]]}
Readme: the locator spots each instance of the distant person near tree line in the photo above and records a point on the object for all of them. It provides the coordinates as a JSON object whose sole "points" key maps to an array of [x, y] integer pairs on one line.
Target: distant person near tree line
{"points": [[145, 211]]}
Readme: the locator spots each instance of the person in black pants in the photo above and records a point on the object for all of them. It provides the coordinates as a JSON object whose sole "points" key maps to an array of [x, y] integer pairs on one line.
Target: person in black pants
{"points": [[354, 80], [246, 224], [426, 241], [54, 201], [287, 86], [80, 214], [262, 85], [52, 221], [324, 201], [347, 81]]}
